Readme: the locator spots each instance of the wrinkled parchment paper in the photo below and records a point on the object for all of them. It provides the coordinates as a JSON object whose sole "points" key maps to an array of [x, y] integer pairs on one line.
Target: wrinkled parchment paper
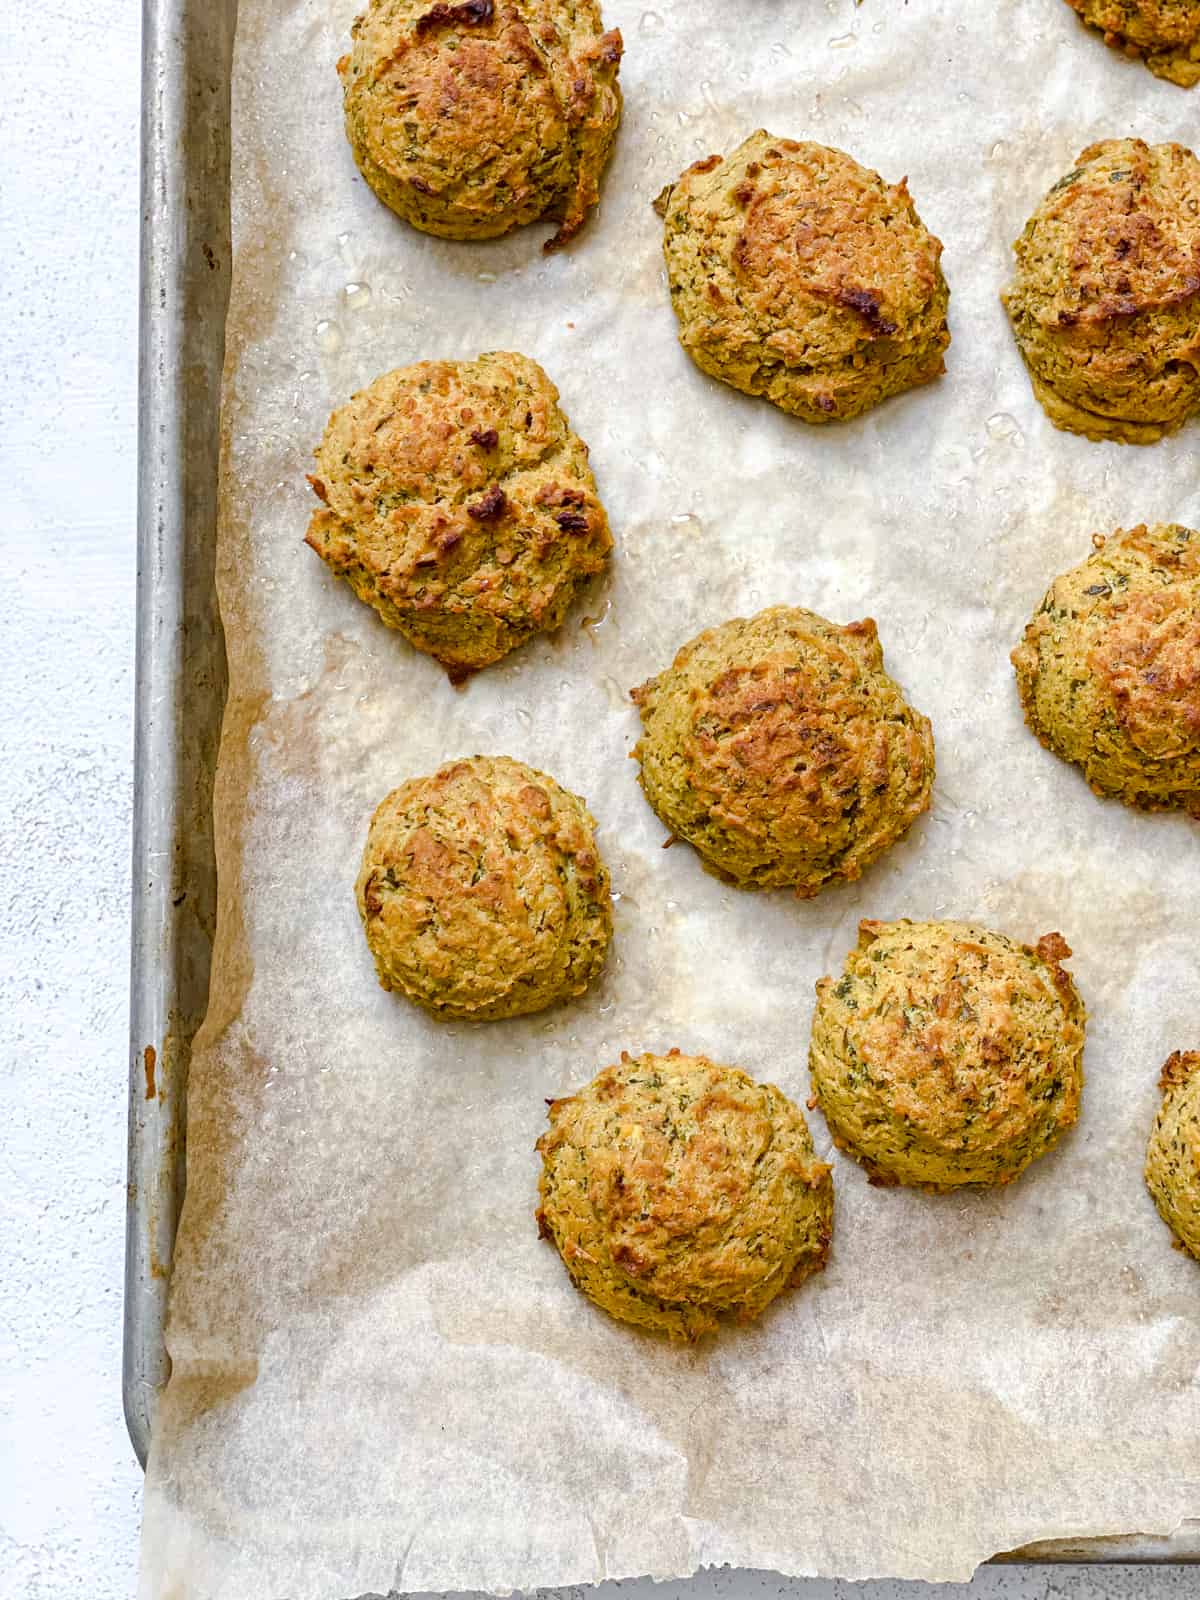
{"points": [[382, 1379]]}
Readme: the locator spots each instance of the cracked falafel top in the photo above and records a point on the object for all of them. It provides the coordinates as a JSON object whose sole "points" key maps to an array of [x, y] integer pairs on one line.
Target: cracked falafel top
{"points": [[457, 501], [471, 119], [780, 749], [1108, 669], [1105, 304], [799, 275], [676, 1189], [482, 891]]}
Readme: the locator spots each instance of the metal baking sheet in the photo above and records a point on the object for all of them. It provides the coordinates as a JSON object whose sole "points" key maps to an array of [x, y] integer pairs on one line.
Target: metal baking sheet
{"points": [[187, 52], [180, 688]]}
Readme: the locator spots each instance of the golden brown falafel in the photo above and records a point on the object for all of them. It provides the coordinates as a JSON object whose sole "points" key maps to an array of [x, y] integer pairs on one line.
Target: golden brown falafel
{"points": [[482, 891], [1109, 668], [1105, 305], [801, 276], [470, 120], [1173, 1153], [458, 503], [677, 1190], [947, 1054], [779, 748], [1165, 34]]}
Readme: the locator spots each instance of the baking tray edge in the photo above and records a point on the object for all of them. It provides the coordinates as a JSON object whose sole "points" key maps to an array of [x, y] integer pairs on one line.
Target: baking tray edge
{"points": [[180, 677]]}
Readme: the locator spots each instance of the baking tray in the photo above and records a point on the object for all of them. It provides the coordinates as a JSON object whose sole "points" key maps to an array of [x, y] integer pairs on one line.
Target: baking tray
{"points": [[187, 50], [180, 685]]}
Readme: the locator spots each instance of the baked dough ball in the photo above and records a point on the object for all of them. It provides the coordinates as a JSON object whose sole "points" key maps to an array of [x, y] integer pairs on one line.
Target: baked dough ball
{"points": [[779, 748], [676, 1190], [1173, 1154], [470, 120], [457, 501], [482, 891], [1109, 667], [947, 1054], [1164, 33], [1105, 304], [798, 275]]}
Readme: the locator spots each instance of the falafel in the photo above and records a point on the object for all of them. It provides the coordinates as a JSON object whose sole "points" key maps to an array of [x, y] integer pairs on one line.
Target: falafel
{"points": [[1165, 34], [457, 501], [1173, 1153], [1109, 667], [471, 120], [780, 749], [947, 1054], [677, 1190], [482, 891], [801, 276], [1105, 304]]}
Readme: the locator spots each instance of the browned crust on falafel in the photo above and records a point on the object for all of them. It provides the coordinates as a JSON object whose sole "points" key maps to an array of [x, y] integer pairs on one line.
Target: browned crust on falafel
{"points": [[947, 1054], [1165, 34], [780, 749], [799, 275], [482, 891], [1105, 304], [457, 501], [1108, 669], [677, 1191], [469, 120]]}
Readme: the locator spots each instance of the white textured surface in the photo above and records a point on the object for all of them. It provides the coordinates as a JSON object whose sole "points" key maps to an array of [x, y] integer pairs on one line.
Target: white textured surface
{"points": [[69, 1488], [69, 1485]]}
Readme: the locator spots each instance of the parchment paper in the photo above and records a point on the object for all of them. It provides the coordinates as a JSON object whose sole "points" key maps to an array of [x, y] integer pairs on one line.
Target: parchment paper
{"points": [[382, 1379]]}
